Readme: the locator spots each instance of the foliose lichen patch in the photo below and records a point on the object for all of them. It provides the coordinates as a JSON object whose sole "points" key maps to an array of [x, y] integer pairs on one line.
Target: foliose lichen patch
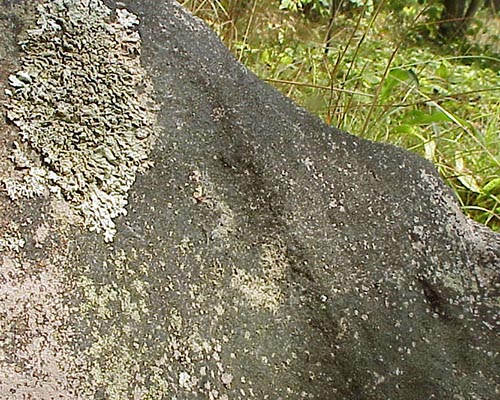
{"points": [[82, 102], [11, 239]]}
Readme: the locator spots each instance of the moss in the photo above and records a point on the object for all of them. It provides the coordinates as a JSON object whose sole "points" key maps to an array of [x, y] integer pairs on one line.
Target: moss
{"points": [[83, 103]]}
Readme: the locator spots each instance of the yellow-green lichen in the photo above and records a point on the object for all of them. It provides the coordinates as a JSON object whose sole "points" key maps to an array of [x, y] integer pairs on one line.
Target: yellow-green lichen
{"points": [[133, 350], [82, 101], [116, 355], [264, 291]]}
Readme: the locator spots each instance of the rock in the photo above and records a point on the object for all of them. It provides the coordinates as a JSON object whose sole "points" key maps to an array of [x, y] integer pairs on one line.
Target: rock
{"points": [[263, 254]]}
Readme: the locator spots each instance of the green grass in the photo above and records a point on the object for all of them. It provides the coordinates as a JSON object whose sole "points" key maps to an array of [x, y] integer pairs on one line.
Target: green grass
{"points": [[385, 79]]}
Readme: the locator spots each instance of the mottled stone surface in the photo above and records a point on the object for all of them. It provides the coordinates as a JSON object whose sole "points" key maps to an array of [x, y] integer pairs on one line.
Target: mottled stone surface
{"points": [[263, 255]]}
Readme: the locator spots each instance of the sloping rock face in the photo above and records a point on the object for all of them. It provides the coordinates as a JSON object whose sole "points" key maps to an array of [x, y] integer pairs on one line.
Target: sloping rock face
{"points": [[263, 254]]}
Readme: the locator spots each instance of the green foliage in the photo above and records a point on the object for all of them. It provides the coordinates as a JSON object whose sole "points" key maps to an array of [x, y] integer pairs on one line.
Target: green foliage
{"points": [[293, 5], [322, 7], [364, 3], [318, 7], [384, 78]]}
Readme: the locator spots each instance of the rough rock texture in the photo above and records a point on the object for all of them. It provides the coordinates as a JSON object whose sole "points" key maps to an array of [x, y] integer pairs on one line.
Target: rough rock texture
{"points": [[264, 255]]}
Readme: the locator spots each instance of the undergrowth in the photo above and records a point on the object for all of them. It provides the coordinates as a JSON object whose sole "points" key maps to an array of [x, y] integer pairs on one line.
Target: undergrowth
{"points": [[384, 77]]}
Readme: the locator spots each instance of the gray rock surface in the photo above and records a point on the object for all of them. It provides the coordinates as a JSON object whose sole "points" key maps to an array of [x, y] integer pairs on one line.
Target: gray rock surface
{"points": [[263, 254]]}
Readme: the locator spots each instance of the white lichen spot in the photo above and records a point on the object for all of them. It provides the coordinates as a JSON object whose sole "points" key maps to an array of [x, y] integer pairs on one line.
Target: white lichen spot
{"points": [[31, 185], [82, 102], [11, 240], [226, 379], [184, 380]]}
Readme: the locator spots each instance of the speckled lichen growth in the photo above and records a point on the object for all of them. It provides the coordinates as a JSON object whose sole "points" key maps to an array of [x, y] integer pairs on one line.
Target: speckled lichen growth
{"points": [[82, 103], [264, 292]]}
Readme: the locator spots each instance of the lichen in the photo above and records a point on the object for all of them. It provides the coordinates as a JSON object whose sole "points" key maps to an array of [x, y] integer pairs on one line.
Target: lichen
{"points": [[132, 351], [264, 292], [32, 184], [82, 101], [36, 360], [205, 194], [11, 240]]}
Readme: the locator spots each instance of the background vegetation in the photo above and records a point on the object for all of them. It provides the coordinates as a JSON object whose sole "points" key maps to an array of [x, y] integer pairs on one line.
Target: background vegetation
{"points": [[420, 74]]}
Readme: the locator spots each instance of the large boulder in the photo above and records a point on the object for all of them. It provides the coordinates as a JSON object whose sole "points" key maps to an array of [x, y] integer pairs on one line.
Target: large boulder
{"points": [[173, 228]]}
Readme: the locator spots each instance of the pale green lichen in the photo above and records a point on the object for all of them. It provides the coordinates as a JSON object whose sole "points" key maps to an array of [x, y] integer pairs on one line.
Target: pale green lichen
{"points": [[83, 103], [33, 184], [11, 241], [264, 292], [131, 352], [204, 194]]}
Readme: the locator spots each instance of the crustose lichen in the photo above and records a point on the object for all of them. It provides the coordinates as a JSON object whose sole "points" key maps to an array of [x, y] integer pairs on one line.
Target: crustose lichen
{"points": [[82, 102]]}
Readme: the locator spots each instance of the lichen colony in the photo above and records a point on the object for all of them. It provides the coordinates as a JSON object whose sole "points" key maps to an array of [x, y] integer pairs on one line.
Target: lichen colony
{"points": [[82, 103]]}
